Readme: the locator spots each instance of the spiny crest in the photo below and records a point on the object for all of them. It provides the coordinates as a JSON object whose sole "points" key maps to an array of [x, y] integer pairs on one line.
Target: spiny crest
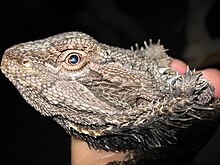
{"points": [[154, 48], [188, 84]]}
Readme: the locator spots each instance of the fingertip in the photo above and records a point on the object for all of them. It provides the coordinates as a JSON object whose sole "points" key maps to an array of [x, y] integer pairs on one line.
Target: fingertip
{"points": [[213, 75]]}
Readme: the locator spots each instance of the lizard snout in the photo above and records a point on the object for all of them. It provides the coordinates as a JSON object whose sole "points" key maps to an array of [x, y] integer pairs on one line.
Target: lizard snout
{"points": [[15, 64]]}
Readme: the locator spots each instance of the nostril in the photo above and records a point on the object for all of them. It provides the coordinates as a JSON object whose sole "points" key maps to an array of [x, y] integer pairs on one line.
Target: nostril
{"points": [[26, 62]]}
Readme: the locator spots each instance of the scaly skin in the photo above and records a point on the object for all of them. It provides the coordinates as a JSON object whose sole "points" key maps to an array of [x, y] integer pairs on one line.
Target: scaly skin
{"points": [[114, 99]]}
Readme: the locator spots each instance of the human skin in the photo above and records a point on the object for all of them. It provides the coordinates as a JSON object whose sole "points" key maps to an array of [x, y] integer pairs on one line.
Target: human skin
{"points": [[82, 154]]}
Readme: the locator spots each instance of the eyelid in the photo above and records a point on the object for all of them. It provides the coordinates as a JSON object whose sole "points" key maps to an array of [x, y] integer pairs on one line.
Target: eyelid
{"points": [[65, 53]]}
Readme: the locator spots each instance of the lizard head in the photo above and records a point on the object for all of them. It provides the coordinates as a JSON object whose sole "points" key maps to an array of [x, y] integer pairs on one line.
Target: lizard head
{"points": [[71, 78], [111, 97], [89, 88]]}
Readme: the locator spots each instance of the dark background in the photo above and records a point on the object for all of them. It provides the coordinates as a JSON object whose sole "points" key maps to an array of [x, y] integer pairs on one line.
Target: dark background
{"points": [[29, 138]]}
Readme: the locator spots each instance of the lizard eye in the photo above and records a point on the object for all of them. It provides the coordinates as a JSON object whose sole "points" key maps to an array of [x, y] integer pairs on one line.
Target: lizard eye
{"points": [[73, 60]]}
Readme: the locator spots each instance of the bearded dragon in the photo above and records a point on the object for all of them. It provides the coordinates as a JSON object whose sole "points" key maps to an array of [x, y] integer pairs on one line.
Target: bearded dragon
{"points": [[123, 100]]}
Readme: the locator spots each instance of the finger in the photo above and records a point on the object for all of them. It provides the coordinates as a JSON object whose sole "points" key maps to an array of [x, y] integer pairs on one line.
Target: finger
{"points": [[178, 65]]}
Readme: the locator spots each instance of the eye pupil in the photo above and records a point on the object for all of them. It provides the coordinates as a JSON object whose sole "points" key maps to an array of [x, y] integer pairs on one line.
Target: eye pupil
{"points": [[73, 59]]}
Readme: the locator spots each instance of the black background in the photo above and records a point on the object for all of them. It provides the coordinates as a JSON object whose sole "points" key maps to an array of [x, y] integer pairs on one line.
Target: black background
{"points": [[29, 138]]}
